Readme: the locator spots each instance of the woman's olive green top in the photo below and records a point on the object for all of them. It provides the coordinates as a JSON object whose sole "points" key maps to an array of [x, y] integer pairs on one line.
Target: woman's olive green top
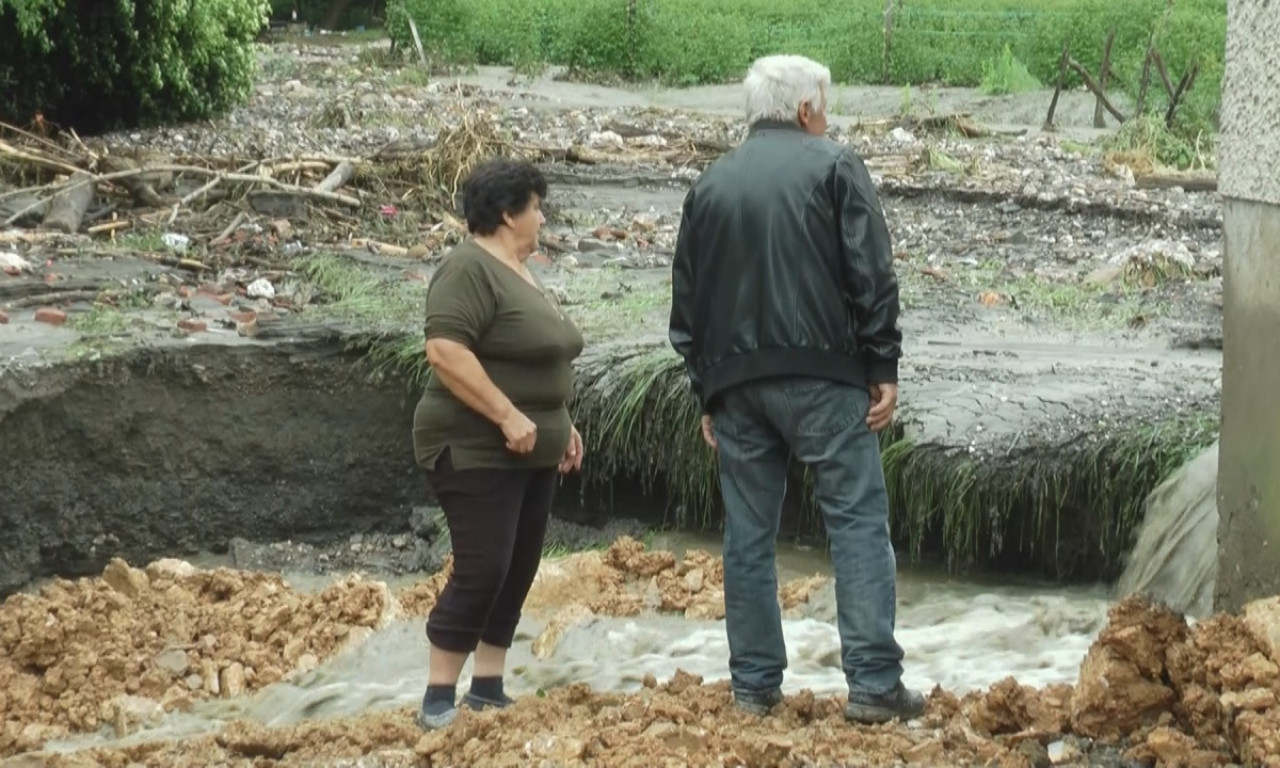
{"points": [[526, 346]]}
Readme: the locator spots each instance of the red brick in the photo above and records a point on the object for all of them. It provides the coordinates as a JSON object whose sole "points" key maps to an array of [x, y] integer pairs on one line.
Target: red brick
{"points": [[225, 298], [51, 316], [3, 318], [247, 316], [185, 291], [191, 325]]}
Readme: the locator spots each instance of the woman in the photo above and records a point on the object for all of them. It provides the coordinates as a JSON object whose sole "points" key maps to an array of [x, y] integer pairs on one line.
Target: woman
{"points": [[492, 429]]}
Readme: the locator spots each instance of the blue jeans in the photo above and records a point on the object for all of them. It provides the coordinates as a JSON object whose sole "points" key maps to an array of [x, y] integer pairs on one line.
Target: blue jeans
{"points": [[823, 423]]}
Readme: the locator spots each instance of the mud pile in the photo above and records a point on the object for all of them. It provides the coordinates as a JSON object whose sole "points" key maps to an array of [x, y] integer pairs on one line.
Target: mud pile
{"points": [[128, 646], [623, 580]]}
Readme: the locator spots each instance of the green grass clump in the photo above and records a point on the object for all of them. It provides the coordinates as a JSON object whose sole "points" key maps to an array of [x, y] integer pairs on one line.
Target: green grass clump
{"points": [[1004, 74]]}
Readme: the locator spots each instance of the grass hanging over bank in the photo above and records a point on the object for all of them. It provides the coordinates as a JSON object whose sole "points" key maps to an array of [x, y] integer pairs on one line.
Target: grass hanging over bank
{"points": [[1068, 509]]}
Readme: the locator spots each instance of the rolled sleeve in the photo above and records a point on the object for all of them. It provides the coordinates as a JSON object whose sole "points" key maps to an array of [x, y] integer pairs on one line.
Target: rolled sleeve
{"points": [[460, 303]]}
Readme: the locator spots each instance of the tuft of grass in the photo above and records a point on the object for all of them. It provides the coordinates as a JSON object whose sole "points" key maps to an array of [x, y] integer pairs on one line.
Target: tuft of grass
{"points": [[1005, 74], [1146, 144]]}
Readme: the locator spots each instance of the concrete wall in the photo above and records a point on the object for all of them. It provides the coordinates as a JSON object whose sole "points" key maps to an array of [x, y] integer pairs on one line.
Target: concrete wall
{"points": [[1249, 176]]}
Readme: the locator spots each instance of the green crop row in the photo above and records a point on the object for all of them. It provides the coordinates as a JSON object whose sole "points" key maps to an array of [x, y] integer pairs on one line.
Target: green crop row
{"points": [[686, 42]]}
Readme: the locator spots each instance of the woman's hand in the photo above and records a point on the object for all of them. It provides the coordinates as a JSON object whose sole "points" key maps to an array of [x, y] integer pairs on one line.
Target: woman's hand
{"points": [[572, 460], [520, 432]]}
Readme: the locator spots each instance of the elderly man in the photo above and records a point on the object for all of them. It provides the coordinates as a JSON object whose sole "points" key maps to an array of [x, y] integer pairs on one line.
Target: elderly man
{"points": [[785, 309]]}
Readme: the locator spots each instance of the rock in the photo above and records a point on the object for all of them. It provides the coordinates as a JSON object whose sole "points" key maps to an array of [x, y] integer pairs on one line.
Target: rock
{"points": [[231, 680], [1262, 617], [1172, 747], [173, 660], [13, 264], [1254, 699], [4, 318], [282, 228], [1061, 752], [1035, 753], [588, 244], [129, 582], [51, 316], [609, 139], [555, 748], [901, 135], [170, 568], [426, 522], [191, 325], [126, 713], [261, 289], [1102, 277], [1120, 687]]}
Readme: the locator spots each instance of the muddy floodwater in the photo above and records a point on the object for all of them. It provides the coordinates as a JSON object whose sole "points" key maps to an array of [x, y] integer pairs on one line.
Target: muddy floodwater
{"points": [[962, 635]]}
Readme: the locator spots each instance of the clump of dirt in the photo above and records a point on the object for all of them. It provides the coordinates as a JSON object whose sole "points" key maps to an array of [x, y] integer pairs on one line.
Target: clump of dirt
{"points": [[623, 580], [128, 646], [1182, 695]]}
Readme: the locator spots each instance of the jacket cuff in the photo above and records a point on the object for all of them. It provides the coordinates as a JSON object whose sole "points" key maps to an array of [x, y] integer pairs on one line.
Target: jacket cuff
{"points": [[882, 371]]}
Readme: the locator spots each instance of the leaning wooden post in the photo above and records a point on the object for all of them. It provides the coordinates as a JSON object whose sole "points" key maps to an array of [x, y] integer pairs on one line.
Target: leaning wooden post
{"points": [[1103, 74], [887, 58], [1062, 79]]}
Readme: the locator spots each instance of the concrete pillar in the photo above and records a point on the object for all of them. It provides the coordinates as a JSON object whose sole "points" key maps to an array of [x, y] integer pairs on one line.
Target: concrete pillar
{"points": [[1249, 178]]}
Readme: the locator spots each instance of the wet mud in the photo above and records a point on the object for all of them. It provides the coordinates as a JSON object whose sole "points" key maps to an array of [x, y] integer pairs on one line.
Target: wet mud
{"points": [[175, 451]]}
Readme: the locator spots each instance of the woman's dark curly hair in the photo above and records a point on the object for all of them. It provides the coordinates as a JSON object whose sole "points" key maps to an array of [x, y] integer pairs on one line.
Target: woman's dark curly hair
{"points": [[497, 187]]}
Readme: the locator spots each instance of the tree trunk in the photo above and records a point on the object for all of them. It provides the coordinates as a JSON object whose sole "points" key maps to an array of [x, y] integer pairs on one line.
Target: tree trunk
{"points": [[334, 14]]}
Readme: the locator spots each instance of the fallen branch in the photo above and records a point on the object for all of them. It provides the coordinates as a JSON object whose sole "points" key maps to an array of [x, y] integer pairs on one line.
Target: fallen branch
{"points": [[169, 260], [1093, 86], [52, 298], [110, 226], [381, 249], [241, 178], [232, 227], [38, 160], [339, 176]]}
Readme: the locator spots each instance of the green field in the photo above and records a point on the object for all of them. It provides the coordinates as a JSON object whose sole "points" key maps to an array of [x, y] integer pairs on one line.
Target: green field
{"points": [[952, 42]]}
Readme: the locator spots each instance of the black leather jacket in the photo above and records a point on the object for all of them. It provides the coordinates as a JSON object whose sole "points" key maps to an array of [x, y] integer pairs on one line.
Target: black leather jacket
{"points": [[783, 267]]}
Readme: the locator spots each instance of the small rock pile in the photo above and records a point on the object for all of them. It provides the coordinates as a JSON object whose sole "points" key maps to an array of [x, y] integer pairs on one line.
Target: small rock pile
{"points": [[128, 646]]}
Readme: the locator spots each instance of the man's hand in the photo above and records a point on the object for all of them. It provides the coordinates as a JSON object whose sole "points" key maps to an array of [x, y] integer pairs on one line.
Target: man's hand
{"points": [[707, 434], [884, 399]]}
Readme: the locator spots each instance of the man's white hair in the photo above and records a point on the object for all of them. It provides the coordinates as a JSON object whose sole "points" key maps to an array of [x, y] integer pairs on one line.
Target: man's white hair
{"points": [[777, 85]]}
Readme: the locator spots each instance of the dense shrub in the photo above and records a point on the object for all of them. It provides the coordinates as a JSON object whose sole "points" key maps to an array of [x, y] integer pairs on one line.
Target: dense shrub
{"points": [[944, 41], [102, 64]]}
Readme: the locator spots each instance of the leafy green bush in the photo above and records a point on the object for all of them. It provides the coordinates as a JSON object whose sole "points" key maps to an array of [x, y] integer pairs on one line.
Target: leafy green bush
{"points": [[98, 65], [945, 41]]}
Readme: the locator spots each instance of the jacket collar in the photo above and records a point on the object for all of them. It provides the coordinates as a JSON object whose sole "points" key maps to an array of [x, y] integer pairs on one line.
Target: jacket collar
{"points": [[769, 124]]}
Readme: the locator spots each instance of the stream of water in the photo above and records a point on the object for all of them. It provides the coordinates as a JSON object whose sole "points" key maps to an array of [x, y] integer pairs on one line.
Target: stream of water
{"points": [[962, 634]]}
